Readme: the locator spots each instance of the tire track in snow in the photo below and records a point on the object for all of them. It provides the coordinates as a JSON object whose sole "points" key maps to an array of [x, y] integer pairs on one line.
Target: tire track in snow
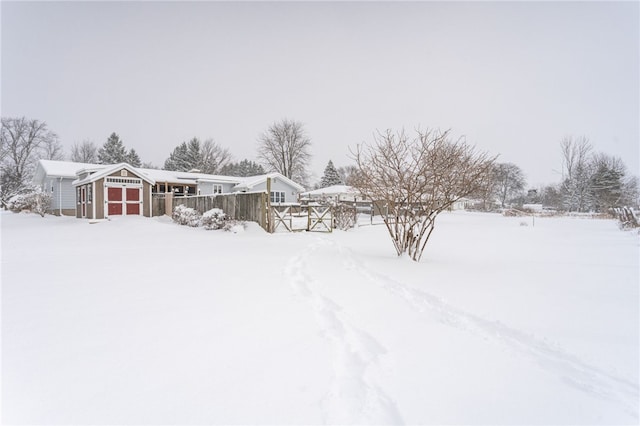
{"points": [[353, 397], [571, 370]]}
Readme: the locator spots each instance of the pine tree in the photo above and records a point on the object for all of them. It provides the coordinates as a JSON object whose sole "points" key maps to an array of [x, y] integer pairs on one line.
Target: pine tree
{"points": [[113, 151], [178, 159], [133, 158], [331, 176], [193, 158], [244, 168]]}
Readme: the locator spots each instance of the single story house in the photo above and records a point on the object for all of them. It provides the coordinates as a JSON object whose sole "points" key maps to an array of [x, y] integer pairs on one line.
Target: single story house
{"points": [[97, 191]]}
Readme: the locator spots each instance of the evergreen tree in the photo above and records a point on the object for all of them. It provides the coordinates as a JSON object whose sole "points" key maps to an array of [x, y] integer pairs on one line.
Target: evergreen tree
{"points": [[243, 169], [178, 160], [331, 176], [113, 151], [133, 158], [607, 182], [193, 157]]}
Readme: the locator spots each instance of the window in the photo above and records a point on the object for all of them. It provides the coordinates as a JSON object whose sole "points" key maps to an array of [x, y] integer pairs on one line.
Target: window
{"points": [[277, 197], [89, 194], [78, 194], [217, 188]]}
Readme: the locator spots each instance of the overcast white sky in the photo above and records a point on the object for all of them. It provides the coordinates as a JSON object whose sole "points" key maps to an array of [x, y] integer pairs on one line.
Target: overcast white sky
{"points": [[513, 77]]}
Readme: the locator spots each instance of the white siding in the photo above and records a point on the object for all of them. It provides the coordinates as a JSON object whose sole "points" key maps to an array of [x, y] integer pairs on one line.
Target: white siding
{"points": [[62, 192], [206, 188], [291, 194]]}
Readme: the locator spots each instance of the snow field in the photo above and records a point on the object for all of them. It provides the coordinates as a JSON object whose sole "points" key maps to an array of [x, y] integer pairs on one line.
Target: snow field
{"points": [[141, 321]]}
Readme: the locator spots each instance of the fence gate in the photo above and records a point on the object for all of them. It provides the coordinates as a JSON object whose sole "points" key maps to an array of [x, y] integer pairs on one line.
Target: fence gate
{"points": [[302, 218], [320, 219]]}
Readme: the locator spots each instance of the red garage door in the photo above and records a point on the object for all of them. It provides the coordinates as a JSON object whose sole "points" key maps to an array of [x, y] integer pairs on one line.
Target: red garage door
{"points": [[115, 201], [123, 201], [133, 200]]}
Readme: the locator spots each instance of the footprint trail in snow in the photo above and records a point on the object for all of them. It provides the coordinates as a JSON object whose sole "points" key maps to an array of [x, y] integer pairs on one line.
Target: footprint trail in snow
{"points": [[569, 368], [354, 397]]}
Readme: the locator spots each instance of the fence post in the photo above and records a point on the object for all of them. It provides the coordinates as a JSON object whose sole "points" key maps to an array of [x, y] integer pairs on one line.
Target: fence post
{"points": [[168, 204]]}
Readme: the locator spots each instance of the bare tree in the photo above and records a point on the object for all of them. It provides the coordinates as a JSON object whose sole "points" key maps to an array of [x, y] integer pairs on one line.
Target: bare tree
{"points": [[509, 181], [348, 174], [577, 173], [417, 179], [22, 142], [85, 152], [284, 148], [213, 157]]}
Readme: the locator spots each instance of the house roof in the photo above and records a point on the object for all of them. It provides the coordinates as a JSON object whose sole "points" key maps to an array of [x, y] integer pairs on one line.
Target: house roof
{"points": [[333, 190], [248, 183], [186, 177], [61, 169], [107, 170]]}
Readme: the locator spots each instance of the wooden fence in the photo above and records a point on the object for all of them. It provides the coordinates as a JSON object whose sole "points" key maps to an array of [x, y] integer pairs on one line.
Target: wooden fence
{"points": [[248, 206]]}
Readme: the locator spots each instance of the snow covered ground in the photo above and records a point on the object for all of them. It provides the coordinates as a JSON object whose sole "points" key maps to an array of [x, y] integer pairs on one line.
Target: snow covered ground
{"points": [[141, 321]]}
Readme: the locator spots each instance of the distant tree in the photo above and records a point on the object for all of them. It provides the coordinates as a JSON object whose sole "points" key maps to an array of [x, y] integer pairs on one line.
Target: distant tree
{"points": [[22, 142], [551, 197], [417, 179], [577, 173], [331, 176], [213, 157], [508, 182], [85, 152], [208, 157], [631, 192], [113, 151], [150, 165], [348, 174], [178, 159], [52, 150], [284, 148], [133, 158], [243, 168]]}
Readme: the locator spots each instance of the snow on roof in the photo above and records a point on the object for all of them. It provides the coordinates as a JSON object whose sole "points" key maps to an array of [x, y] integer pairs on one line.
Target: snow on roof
{"points": [[333, 190], [107, 170], [65, 169], [248, 183], [186, 177]]}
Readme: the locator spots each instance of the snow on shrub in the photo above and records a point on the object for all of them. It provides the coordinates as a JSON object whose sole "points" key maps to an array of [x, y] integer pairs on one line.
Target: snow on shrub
{"points": [[213, 219], [34, 201], [234, 226], [186, 216]]}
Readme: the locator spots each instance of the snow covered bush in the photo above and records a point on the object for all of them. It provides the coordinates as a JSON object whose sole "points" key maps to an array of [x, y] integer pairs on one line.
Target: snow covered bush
{"points": [[213, 219], [234, 226], [35, 201], [186, 216]]}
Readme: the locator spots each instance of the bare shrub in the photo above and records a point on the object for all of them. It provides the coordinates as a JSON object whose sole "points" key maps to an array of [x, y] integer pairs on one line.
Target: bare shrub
{"points": [[418, 178], [344, 216]]}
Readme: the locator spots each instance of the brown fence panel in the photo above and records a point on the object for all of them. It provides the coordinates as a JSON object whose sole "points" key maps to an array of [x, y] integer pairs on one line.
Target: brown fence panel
{"points": [[250, 206], [157, 203]]}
